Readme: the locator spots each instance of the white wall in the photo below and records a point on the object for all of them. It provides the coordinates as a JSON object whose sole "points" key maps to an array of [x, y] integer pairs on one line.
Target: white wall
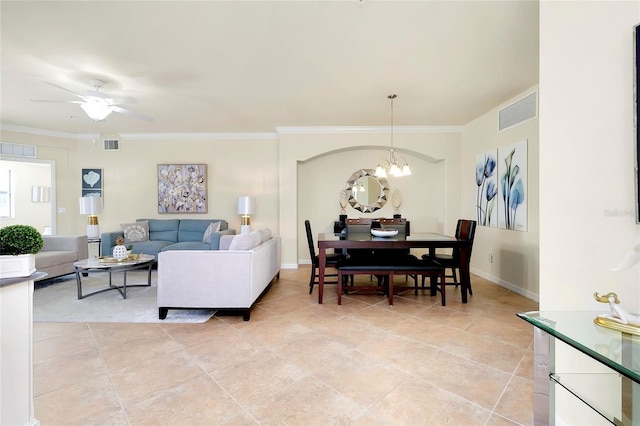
{"points": [[587, 153], [515, 253], [234, 167], [587, 159]]}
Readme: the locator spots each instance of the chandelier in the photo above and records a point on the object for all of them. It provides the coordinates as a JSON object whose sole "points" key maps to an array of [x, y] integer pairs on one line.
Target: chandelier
{"points": [[393, 166]]}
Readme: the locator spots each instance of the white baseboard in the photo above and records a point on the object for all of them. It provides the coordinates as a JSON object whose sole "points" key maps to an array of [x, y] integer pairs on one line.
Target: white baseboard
{"points": [[288, 266], [507, 285]]}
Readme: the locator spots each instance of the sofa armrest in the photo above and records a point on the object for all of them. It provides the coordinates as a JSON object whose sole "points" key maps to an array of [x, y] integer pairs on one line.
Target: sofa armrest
{"points": [[108, 241], [73, 243], [216, 236]]}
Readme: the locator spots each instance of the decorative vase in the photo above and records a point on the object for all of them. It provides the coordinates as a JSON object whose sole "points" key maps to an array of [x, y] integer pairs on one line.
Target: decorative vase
{"points": [[120, 252]]}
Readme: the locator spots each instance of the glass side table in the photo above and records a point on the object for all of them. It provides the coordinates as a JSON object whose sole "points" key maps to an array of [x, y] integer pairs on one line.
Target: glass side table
{"points": [[618, 352]]}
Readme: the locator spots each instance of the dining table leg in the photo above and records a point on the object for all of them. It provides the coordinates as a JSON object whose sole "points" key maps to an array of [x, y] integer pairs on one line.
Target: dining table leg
{"points": [[322, 260], [465, 275], [433, 279]]}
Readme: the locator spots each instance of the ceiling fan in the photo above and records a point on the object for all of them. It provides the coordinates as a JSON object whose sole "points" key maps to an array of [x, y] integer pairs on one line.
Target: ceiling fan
{"points": [[98, 105]]}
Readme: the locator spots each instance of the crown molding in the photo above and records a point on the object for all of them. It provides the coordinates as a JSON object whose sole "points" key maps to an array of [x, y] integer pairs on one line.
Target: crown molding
{"points": [[368, 129], [197, 136], [239, 135], [50, 133]]}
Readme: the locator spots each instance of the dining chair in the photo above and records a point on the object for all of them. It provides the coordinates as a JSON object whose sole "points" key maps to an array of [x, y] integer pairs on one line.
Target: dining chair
{"points": [[358, 225], [395, 223], [465, 230], [399, 224], [331, 261]]}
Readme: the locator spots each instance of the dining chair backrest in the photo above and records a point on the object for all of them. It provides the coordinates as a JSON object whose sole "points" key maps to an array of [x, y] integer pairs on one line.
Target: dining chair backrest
{"points": [[359, 225], [396, 223], [312, 247], [466, 230]]}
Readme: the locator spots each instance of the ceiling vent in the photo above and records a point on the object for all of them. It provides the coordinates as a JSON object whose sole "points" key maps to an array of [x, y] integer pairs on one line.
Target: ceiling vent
{"points": [[111, 144], [518, 112], [18, 150]]}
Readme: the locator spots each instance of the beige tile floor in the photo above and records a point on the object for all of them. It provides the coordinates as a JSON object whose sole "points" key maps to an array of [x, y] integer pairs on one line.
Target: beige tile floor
{"points": [[298, 363]]}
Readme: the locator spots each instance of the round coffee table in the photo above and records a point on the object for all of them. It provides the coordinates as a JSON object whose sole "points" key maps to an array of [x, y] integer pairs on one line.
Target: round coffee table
{"points": [[110, 265]]}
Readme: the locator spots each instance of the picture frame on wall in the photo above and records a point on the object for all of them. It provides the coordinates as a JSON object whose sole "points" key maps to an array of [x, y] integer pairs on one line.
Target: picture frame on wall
{"points": [[92, 183], [182, 188]]}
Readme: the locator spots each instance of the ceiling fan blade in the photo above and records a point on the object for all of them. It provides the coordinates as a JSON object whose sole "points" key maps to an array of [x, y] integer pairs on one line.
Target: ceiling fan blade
{"points": [[59, 102], [131, 113], [120, 101], [65, 89]]}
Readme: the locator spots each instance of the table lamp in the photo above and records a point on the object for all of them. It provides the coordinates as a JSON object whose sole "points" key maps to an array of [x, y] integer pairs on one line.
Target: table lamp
{"points": [[91, 206], [246, 207]]}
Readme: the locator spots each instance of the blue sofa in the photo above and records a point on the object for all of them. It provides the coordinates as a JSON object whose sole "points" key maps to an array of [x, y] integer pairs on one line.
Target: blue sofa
{"points": [[171, 234]]}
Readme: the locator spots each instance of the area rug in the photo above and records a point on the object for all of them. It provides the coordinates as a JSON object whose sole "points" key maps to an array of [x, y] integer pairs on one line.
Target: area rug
{"points": [[57, 301]]}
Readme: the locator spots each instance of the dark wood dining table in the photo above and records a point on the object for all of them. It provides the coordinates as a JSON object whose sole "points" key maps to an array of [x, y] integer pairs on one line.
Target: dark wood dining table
{"points": [[429, 241]]}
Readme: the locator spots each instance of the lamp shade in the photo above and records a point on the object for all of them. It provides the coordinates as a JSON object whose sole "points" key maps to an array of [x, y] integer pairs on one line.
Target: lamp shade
{"points": [[90, 205], [246, 205]]}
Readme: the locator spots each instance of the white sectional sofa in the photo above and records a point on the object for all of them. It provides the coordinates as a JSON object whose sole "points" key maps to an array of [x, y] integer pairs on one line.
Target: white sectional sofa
{"points": [[231, 278]]}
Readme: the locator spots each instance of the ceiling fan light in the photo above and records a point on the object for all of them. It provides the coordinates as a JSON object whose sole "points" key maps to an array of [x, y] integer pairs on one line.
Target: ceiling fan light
{"points": [[97, 111]]}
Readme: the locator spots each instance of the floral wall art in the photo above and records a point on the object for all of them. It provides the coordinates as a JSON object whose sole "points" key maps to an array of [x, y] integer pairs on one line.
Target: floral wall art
{"points": [[487, 189], [512, 186], [182, 188]]}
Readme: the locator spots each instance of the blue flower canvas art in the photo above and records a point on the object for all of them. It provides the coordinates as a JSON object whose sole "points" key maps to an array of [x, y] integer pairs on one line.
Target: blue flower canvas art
{"points": [[487, 188], [512, 191]]}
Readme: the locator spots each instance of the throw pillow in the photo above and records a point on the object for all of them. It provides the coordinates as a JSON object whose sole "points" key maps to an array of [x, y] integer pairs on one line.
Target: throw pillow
{"points": [[244, 241], [135, 232], [263, 234], [213, 227], [266, 234]]}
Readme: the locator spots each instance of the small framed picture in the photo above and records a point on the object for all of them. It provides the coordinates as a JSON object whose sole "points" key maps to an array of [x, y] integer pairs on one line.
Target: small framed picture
{"points": [[92, 182]]}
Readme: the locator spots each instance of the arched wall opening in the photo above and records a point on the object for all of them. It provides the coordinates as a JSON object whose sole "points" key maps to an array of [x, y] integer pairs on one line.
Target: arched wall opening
{"points": [[314, 168], [323, 177]]}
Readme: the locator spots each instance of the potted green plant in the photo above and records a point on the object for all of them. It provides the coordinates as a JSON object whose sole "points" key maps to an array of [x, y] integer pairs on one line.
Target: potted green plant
{"points": [[18, 246]]}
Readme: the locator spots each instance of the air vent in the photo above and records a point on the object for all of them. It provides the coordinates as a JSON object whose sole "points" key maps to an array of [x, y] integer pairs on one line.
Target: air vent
{"points": [[111, 144], [518, 112], [18, 150]]}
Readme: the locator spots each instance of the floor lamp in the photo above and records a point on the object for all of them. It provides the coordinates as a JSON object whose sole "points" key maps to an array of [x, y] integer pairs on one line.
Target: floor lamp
{"points": [[246, 207], [91, 206]]}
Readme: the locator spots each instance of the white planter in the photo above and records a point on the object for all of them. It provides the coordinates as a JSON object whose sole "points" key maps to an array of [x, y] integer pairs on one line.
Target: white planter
{"points": [[22, 265]]}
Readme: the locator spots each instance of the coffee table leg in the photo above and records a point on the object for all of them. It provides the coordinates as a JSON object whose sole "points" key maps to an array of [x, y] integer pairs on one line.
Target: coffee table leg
{"points": [[124, 285], [79, 283], [149, 275]]}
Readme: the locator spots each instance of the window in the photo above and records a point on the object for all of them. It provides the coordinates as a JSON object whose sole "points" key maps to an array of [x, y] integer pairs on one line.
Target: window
{"points": [[6, 196]]}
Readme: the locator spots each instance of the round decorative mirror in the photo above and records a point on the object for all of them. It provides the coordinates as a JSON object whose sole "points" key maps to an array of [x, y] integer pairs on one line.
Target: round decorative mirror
{"points": [[365, 192]]}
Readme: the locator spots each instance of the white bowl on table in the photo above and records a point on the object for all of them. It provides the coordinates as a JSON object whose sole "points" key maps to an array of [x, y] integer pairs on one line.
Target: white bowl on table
{"points": [[381, 232]]}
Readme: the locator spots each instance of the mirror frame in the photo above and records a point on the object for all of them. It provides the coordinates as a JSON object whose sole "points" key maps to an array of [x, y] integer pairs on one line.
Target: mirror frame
{"points": [[382, 196]]}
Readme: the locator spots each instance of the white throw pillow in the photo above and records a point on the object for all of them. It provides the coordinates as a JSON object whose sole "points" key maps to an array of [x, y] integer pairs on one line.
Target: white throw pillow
{"points": [[135, 232], [265, 234], [213, 227], [245, 241]]}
